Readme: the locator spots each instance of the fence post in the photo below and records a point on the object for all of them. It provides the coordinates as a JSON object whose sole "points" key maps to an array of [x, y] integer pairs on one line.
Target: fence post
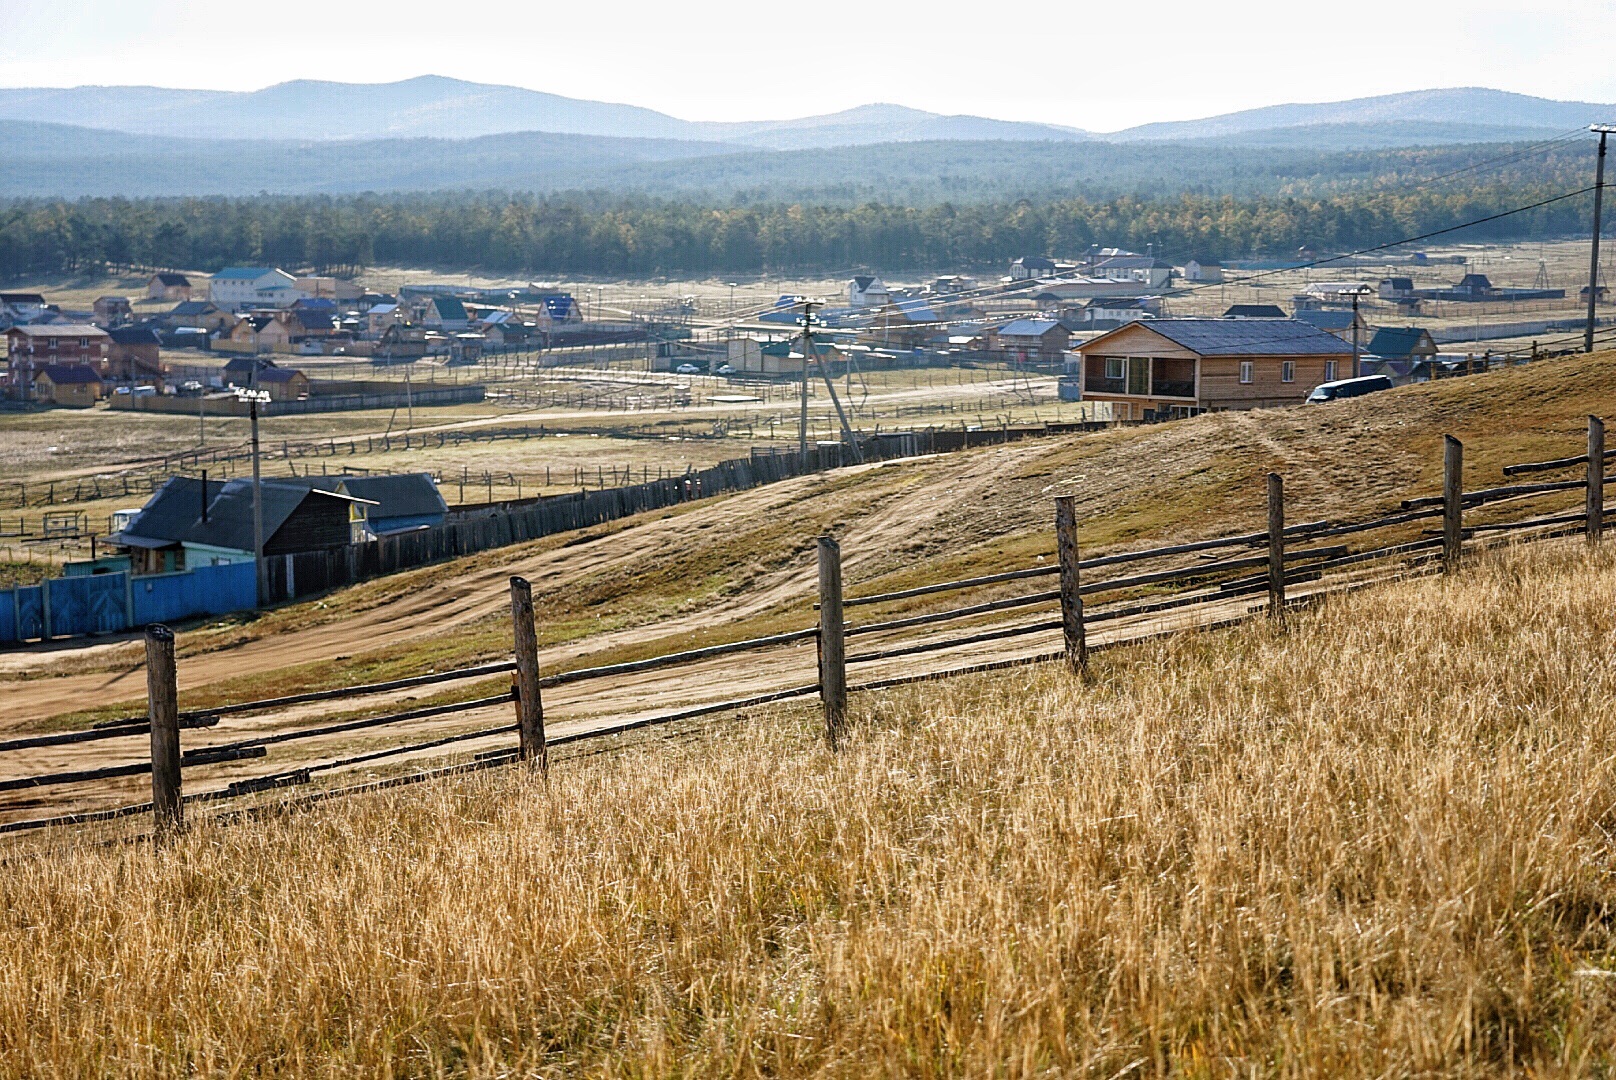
{"points": [[832, 642], [162, 707], [1276, 547], [1596, 479], [1071, 595], [529, 705], [1452, 503]]}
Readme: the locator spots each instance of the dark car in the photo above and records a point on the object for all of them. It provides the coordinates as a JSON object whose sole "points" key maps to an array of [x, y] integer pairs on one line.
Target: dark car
{"points": [[1345, 388]]}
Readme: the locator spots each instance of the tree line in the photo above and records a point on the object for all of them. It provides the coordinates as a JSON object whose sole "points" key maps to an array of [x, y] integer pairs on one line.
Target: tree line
{"points": [[583, 234]]}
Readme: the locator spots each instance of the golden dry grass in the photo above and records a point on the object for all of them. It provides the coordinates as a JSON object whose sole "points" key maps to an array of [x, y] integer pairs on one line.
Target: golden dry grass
{"points": [[1377, 845]]}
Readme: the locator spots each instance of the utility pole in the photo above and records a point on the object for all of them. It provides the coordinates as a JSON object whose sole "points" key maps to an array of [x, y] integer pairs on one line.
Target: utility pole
{"points": [[1360, 291], [807, 351], [1603, 130], [253, 397]]}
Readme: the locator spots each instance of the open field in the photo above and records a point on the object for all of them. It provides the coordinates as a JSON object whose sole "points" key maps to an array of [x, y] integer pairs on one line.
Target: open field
{"points": [[741, 565], [1376, 846]]}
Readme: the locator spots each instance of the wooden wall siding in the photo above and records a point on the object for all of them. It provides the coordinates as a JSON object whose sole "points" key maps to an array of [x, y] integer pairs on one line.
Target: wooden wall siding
{"points": [[318, 524], [1221, 387]]}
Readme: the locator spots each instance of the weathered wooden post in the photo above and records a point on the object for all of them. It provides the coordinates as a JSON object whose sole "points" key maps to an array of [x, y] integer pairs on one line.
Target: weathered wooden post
{"points": [[1596, 479], [529, 705], [832, 640], [162, 707], [1452, 503], [1276, 547], [1071, 594]]}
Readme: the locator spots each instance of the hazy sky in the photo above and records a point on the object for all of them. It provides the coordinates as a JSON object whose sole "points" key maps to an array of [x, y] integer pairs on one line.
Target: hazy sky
{"points": [[1101, 66]]}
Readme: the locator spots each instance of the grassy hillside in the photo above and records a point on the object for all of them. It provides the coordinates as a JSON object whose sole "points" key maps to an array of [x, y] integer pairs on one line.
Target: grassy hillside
{"points": [[1376, 846]]}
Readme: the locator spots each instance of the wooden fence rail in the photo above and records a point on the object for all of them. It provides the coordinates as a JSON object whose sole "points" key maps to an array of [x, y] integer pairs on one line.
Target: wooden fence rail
{"points": [[1220, 589]]}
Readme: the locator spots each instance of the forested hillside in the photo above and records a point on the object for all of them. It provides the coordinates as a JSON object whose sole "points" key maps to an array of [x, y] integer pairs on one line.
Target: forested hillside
{"points": [[601, 234]]}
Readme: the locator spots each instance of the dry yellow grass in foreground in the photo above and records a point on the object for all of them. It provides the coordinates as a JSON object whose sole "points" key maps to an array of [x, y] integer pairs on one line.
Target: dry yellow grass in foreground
{"points": [[1376, 846]]}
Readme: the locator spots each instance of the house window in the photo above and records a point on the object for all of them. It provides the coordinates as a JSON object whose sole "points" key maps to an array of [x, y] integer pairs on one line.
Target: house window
{"points": [[1115, 367], [1245, 371], [1329, 371], [1287, 371]]}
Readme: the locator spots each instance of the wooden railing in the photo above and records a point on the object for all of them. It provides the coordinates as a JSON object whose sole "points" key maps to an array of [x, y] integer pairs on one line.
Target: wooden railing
{"points": [[1146, 592]]}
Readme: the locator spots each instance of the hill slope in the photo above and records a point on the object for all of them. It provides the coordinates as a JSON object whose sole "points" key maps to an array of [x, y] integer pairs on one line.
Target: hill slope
{"points": [[1236, 847]]}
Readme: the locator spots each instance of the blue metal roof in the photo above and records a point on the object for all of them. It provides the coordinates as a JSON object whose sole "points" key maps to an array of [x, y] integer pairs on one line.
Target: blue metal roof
{"points": [[1241, 337], [1027, 328]]}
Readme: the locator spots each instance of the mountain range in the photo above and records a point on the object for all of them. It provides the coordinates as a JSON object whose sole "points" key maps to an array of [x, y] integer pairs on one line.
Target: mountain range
{"points": [[436, 107], [432, 133]]}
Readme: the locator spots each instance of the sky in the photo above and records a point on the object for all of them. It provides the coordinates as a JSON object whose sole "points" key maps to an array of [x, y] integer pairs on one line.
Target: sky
{"points": [[1096, 66]]}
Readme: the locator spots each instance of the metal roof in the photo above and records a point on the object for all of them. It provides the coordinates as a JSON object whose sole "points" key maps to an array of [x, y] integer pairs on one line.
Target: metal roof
{"points": [[395, 496], [1240, 337], [245, 273], [1027, 328], [1327, 320], [1398, 341], [60, 330], [169, 514]]}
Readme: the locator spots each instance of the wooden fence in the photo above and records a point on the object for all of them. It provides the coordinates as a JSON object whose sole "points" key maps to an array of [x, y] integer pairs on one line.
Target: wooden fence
{"points": [[1142, 593]]}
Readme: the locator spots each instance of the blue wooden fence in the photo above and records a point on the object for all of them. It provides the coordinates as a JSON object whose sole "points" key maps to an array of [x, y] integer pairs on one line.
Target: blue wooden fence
{"points": [[111, 603]]}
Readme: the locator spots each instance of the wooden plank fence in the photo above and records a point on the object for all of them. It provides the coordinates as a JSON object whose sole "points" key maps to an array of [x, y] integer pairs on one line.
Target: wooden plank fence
{"points": [[1212, 593]]}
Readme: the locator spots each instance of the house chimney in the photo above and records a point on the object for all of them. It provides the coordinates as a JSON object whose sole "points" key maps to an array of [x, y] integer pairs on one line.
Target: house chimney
{"points": [[204, 496]]}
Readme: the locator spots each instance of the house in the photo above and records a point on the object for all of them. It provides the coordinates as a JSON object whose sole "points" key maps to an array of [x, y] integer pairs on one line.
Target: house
{"points": [[501, 328], [1205, 271], [283, 384], [238, 287], [133, 355], [866, 291], [1076, 287], [33, 346], [241, 370], [297, 517], [1395, 288], [1255, 311], [445, 313], [328, 288], [1335, 293], [395, 503], [559, 308], [399, 341], [380, 316], [948, 286], [784, 358], [21, 307], [74, 385], [1402, 343], [201, 315], [1030, 340], [904, 324], [154, 538], [304, 323], [1179, 367], [1340, 323], [1143, 269], [1110, 312], [1601, 294], [168, 286], [111, 311], [260, 333], [1032, 267], [1474, 286]]}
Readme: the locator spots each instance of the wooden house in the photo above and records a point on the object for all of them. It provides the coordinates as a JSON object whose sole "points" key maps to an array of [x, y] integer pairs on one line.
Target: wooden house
{"points": [[73, 385], [1403, 343], [110, 311], [133, 355], [168, 286], [1179, 367], [1030, 340]]}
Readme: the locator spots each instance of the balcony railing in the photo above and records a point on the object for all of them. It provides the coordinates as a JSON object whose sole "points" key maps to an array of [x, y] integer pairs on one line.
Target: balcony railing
{"points": [[1174, 388], [1105, 386]]}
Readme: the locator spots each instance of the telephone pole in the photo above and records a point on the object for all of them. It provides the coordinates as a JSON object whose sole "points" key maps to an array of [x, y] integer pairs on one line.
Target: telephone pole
{"points": [[1602, 130], [807, 351]]}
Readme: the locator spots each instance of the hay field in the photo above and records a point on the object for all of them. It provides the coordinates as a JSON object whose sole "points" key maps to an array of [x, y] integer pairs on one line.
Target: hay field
{"points": [[1378, 845]]}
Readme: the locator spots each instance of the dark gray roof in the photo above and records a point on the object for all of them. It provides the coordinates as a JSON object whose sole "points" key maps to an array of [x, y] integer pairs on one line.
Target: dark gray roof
{"points": [[1395, 342], [169, 514], [1242, 337], [171, 279], [395, 496], [192, 307], [133, 335], [1255, 311], [1326, 320], [230, 515], [63, 374]]}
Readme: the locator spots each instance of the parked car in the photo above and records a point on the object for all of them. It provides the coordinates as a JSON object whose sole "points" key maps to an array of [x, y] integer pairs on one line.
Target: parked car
{"points": [[1345, 388], [726, 369], [688, 369]]}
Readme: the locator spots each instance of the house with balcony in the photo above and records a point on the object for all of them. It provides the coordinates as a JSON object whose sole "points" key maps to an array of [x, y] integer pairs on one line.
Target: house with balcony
{"points": [[1180, 367]]}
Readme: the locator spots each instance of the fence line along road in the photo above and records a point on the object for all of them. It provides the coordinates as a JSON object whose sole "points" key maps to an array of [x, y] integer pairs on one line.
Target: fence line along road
{"points": [[990, 634]]}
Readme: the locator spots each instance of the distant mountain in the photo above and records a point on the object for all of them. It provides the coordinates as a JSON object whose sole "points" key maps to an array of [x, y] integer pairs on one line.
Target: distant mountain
{"points": [[436, 107], [1400, 119]]}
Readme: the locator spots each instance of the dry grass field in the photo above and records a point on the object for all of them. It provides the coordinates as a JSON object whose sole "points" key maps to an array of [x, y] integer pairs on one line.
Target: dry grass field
{"points": [[1378, 845]]}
